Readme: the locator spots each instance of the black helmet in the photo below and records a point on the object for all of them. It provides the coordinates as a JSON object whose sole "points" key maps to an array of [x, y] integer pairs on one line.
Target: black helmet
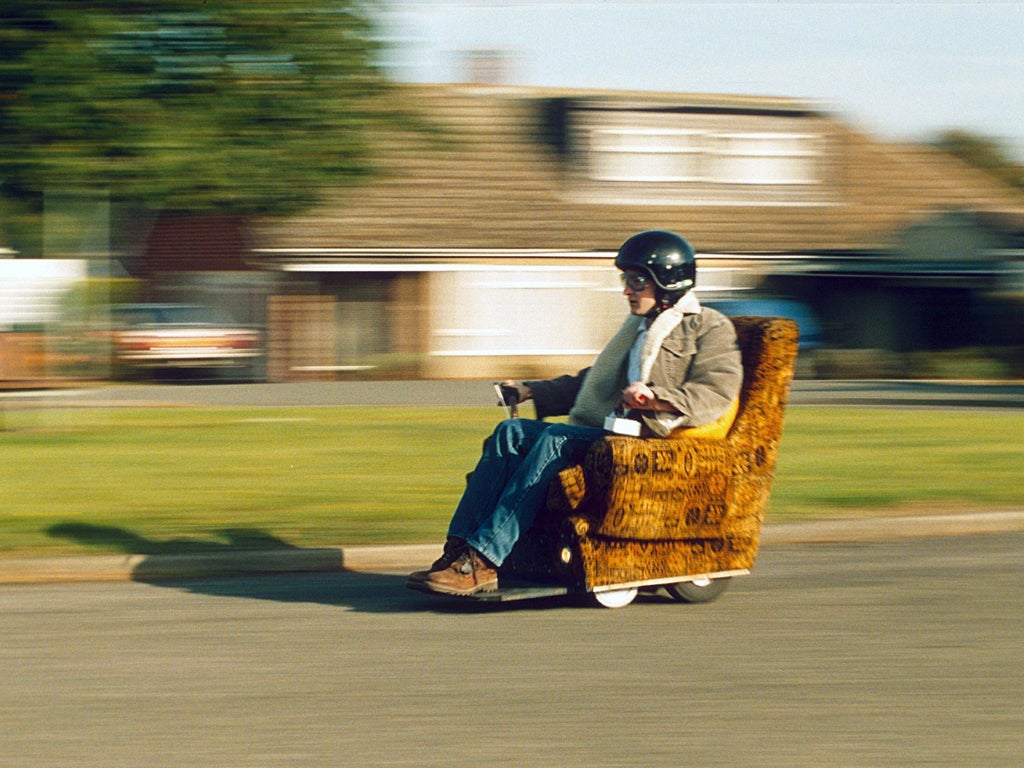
{"points": [[665, 256]]}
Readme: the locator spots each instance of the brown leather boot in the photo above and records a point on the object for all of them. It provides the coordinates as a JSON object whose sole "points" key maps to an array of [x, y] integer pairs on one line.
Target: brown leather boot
{"points": [[470, 574], [454, 548]]}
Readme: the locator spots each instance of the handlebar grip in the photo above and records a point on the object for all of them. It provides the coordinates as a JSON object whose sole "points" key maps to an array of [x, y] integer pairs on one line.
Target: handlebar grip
{"points": [[510, 397]]}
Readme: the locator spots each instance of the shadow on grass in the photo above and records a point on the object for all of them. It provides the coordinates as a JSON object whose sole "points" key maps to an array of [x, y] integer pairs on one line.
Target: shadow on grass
{"points": [[252, 564]]}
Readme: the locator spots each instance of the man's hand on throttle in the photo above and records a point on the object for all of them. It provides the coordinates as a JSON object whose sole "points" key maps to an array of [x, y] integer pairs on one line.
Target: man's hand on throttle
{"points": [[521, 388]]}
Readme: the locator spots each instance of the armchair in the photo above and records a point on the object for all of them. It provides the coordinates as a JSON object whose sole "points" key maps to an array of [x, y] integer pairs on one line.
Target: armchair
{"points": [[683, 512]]}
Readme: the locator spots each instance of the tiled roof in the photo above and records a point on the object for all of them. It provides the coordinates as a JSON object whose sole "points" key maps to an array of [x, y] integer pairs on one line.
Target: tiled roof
{"points": [[491, 179]]}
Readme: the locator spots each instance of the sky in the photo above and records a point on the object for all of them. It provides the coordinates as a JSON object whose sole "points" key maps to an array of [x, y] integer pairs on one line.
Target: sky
{"points": [[898, 70]]}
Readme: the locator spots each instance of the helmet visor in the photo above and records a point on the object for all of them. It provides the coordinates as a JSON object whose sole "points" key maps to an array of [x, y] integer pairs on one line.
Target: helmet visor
{"points": [[635, 281]]}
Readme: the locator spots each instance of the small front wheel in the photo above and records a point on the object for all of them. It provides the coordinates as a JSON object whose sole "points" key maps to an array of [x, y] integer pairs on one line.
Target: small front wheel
{"points": [[702, 590], [614, 598]]}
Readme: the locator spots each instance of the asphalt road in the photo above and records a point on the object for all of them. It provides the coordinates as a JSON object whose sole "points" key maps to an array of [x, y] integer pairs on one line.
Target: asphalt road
{"points": [[904, 653]]}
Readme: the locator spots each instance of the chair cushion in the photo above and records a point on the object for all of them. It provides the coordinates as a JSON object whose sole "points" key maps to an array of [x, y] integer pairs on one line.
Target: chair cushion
{"points": [[716, 429]]}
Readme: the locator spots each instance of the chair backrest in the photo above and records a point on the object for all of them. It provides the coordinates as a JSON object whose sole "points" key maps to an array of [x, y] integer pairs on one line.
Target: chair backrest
{"points": [[769, 348]]}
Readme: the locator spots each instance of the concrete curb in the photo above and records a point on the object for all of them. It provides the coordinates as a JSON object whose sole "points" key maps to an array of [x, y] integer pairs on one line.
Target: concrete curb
{"points": [[889, 528], [383, 559]]}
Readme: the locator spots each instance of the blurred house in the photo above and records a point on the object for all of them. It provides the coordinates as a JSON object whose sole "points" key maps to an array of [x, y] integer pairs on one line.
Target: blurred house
{"points": [[486, 248], [484, 245]]}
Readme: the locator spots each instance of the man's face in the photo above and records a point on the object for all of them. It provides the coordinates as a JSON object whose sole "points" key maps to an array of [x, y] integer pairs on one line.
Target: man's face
{"points": [[639, 291]]}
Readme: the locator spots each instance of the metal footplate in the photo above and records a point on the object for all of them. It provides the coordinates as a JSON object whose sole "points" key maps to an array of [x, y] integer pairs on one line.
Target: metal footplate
{"points": [[511, 590], [522, 590]]}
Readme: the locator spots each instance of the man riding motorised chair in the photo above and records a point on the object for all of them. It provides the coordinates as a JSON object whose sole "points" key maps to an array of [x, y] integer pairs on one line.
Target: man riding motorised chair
{"points": [[673, 364]]}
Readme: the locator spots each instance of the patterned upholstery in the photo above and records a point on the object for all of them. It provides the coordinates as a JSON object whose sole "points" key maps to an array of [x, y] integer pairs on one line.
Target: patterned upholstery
{"points": [[639, 510]]}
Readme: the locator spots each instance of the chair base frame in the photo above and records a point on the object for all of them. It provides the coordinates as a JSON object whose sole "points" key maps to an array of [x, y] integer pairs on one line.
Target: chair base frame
{"points": [[527, 590]]}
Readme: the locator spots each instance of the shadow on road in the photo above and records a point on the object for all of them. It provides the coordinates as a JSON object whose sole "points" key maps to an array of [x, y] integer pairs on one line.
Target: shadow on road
{"points": [[368, 593], [252, 560], [349, 590]]}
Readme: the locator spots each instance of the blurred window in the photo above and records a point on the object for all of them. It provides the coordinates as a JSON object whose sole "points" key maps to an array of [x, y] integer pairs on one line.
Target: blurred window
{"points": [[763, 158], [663, 156], [646, 155], [136, 315], [690, 156]]}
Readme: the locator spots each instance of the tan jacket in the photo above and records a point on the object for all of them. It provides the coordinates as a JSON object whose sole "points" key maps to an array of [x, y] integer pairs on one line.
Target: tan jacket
{"points": [[697, 369]]}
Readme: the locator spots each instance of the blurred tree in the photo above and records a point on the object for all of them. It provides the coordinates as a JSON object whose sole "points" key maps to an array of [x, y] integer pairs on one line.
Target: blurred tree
{"points": [[243, 108], [984, 153]]}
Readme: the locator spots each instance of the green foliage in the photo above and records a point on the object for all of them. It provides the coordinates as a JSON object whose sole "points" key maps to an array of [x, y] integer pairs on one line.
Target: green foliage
{"points": [[984, 153], [240, 107]]}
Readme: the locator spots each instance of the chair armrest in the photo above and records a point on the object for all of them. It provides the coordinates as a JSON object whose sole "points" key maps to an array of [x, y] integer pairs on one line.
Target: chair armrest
{"points": [[658, 489]]}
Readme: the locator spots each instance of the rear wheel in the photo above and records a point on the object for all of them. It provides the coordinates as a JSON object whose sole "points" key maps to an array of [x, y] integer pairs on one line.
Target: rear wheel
{"points": [[702, 590]]}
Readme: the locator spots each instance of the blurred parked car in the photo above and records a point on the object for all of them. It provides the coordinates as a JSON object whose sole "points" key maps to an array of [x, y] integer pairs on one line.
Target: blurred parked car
{"points": [[151, 337], [811, 336]]}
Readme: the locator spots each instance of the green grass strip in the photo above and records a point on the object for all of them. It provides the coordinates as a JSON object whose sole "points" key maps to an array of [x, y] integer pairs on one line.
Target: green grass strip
{"points": [[152, 480]]}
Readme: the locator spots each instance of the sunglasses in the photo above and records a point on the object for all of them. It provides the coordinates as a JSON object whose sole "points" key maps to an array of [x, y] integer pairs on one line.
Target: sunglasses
{"points": [[634, 281]]}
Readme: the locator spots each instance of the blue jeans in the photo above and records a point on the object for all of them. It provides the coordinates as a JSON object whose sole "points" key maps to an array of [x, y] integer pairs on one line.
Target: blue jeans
{"points": [[510, 483]]}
